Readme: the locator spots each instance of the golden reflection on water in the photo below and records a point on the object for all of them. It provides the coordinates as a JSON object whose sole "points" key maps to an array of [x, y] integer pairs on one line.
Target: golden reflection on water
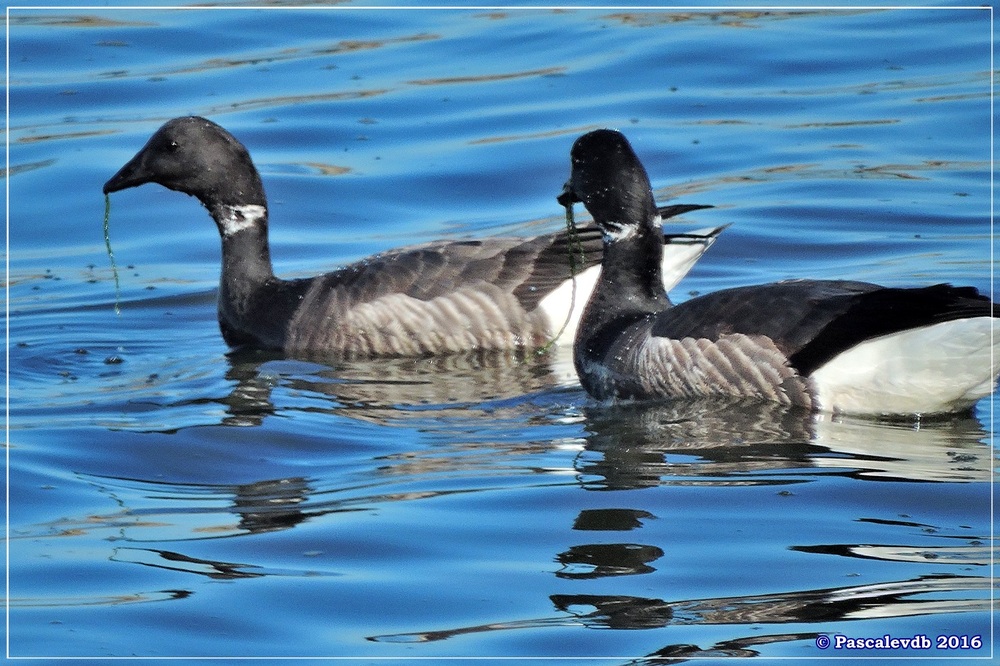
{"points": [[71, 21], [328, 169], [487, 78], [569, 131], [288, 54], [36, 138]]}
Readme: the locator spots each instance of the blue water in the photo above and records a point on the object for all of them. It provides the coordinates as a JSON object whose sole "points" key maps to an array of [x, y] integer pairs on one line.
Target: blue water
{"points": [[168, 498]]}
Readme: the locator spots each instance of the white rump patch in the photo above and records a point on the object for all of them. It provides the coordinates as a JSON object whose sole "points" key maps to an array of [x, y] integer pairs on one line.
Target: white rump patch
{"points": [[237, 218], [940, 368], [680, 255]]}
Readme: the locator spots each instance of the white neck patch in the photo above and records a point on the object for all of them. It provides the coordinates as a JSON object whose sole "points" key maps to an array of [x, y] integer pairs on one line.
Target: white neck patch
{"points": [[615, 232], [235, 219]]}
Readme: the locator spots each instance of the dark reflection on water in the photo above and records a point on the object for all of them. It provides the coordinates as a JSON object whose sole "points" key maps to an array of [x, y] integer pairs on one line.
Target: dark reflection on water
{"points": [[885, 600], [383, 391], [620, 447], [119, 600], [618, 520], [165, 559], [636, 446], [597, 560], [725, 443], [260, 507], [628, 445], [712, 444], [722, 442]]}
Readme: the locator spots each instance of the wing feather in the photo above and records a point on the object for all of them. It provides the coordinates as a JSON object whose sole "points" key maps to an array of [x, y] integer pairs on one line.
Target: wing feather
{"points": [[812, 321]]}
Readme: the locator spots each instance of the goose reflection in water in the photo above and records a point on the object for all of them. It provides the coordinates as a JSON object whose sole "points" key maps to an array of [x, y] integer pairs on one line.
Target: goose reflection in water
{"points": [[708, 443], [730, 435], [620, 447], [823, 607], [712, 442], [388, 390]]}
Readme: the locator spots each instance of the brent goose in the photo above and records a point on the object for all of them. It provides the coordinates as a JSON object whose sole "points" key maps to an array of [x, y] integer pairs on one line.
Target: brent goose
{"points": [[827, 345], [500, 293]]}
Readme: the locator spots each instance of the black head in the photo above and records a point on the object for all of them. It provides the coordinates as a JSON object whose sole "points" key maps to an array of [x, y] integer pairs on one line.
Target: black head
{"points": [[195, 156], [609, 180]]}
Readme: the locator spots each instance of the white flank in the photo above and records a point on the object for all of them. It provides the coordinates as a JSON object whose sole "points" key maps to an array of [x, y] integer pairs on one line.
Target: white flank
{"points": [[940, 368], [238, 218], [561, 304], [679, 256]]}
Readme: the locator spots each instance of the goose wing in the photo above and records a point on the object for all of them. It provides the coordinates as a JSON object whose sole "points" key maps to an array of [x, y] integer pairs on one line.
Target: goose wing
{"points": [[528, 268], [811, 321]]}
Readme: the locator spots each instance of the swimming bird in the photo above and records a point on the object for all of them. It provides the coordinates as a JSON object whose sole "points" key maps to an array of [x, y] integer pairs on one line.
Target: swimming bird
{"points": [[829, 345], [448, 296]]}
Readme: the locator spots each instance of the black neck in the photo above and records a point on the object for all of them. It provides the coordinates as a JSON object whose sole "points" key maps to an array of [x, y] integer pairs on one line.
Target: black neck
{"points": [[246, 255], [631, 281], [629, 289]]}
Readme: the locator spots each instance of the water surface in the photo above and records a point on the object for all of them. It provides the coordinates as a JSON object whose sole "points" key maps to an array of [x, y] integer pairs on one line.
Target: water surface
{"points": [[170, 498]]}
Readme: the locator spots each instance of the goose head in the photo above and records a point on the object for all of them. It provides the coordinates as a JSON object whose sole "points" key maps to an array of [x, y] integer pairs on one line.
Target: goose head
{"points": [[608, 178], [195, 156]]}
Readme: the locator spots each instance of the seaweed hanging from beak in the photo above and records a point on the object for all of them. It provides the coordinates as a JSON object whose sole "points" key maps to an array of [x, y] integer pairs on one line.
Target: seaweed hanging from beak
{"points": [[111, 255], [573, 246]]}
